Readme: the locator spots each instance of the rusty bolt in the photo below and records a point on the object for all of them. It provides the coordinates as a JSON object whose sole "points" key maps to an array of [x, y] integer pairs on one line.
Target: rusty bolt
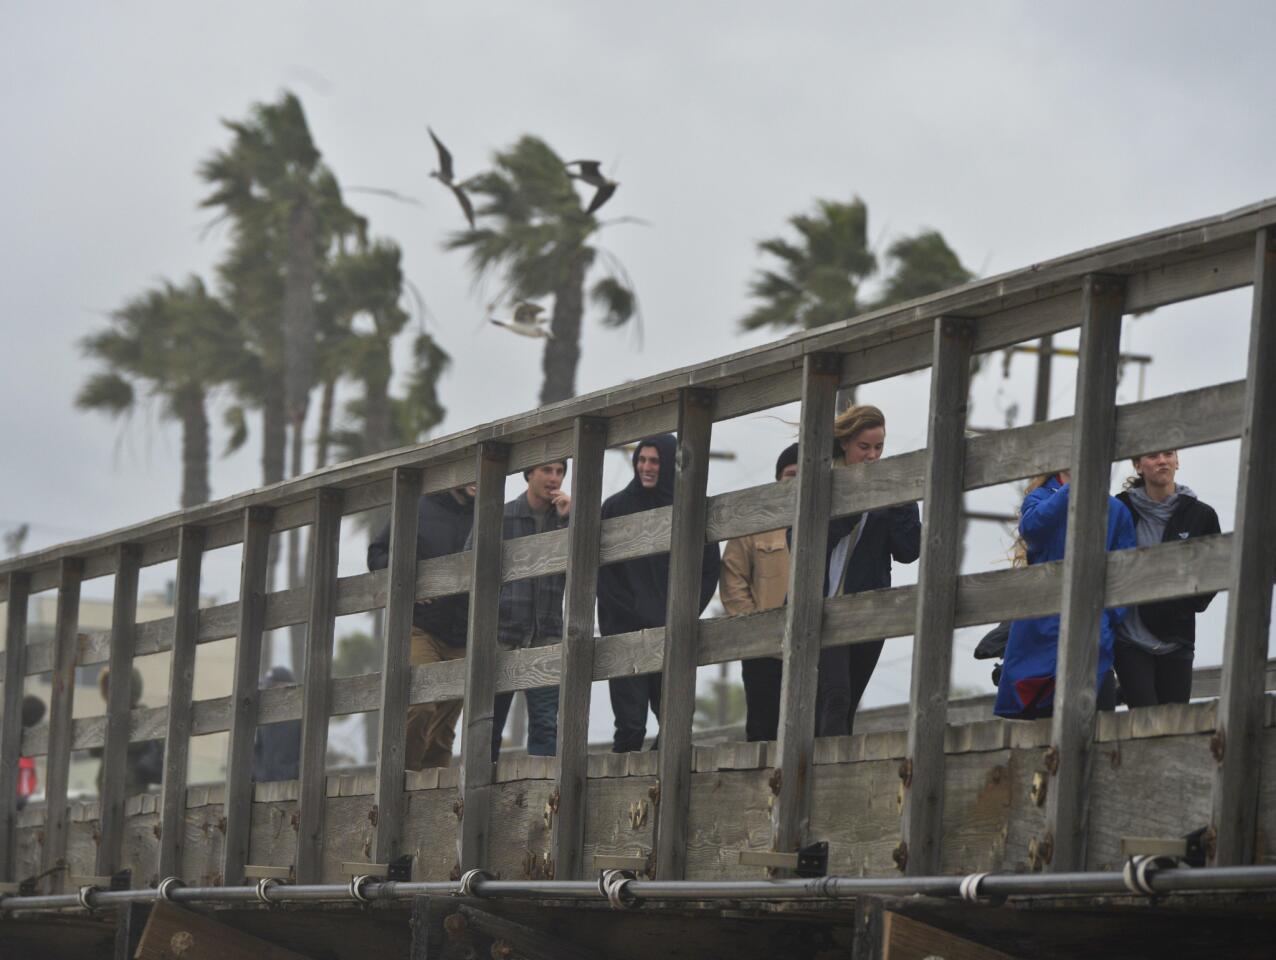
{"points": [[900, 855], [1040, 784], [1051, 759], [906, 771], [455, 925], [458, 808], [654, 793], [502, 950], [777, 778], [372, 815], [1218, 745]]}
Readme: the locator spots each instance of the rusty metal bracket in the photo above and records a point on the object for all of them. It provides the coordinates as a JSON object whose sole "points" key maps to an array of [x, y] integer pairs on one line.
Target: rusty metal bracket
{"points": [[1051, 759], [1218, 745], [906, 771]]}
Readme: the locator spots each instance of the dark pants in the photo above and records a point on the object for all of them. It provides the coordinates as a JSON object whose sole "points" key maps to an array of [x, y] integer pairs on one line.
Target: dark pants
{"points": [[629, 699], [844, 674], [542, 721], [1151, 678], [762, 677]]}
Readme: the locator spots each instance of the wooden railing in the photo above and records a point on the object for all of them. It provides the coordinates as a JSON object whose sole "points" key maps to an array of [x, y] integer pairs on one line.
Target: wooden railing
{"points": [[1091, 290]]}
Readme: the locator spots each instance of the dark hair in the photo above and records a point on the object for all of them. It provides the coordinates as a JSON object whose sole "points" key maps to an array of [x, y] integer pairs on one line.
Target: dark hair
{"points": [[527, 474], [788, 458]]}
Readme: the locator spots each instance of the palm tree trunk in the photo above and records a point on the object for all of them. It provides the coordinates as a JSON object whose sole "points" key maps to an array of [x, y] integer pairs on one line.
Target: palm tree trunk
{"points": [[274, 445], [296, 577], [194, 419], [327, 400], [562, 353]]}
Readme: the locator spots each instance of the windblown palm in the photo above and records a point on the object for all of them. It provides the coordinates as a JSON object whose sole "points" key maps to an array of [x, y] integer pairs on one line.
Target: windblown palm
{"points": [[534, 232], [175, 343]]}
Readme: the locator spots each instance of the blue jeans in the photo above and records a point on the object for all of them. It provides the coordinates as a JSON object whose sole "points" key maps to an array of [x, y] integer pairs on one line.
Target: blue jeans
{"points": [[542, 721]]}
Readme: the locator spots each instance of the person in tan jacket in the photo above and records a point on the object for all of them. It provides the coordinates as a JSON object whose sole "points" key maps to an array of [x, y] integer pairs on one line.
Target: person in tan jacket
{"points": [[755, 576]]}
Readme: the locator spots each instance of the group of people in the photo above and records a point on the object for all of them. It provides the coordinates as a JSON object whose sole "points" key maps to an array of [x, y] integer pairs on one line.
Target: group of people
{"points": [[1145, 652]]}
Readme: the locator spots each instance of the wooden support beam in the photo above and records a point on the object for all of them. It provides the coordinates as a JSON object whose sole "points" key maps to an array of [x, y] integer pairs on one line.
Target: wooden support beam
{"points": [[682, 627], [118, 706], [904, 938], [1237, 743], [15, 672], [325, 544], [181, 685], [405, 502], [173, 932], [238, 803], [803, 616], [577, 655], [130, 922], [922, 816], [521, 940], [1084, 570], [65, 647], [475, 783]]}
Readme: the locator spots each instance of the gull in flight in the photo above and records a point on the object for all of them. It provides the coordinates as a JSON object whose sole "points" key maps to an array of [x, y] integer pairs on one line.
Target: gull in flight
{"points": [[526, 323], [445, 176], [592, 175]]}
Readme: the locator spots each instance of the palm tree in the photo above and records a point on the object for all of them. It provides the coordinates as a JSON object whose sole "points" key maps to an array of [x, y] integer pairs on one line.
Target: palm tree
{"points": [[535, 233], [176, 343]]}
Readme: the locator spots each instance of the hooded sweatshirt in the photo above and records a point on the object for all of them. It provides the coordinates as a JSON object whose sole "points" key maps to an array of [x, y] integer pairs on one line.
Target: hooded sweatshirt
{"points": [[633, 594]]}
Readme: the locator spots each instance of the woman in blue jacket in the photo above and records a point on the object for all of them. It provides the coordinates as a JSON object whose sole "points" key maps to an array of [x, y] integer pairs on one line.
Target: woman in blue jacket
{"points": [[1026, 690]]}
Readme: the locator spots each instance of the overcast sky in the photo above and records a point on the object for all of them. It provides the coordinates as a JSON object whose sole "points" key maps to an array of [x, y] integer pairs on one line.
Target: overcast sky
{"points": [[1021, 131]]}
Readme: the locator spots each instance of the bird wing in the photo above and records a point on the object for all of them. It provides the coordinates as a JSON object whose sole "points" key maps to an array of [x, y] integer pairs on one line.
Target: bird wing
{"points": [[590, 172], [602, 196], [445, 158], [526, 313], [466, 206]]}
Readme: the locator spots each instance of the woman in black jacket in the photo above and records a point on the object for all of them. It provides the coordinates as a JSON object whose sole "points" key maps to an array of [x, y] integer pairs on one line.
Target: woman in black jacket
{"points": [[858, 557], [1156, 641]]}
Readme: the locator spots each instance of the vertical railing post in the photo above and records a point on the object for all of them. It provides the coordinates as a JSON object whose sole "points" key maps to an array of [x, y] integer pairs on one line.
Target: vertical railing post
{"points": [[325, 542], [65, 651], [238, 805], [475, 784], [923, 771], [15, 674], [1237, 744], [682, 630], [804, 612], [1084, 571], [396, 671], [128, 564], [577, 657], [181, 688]]}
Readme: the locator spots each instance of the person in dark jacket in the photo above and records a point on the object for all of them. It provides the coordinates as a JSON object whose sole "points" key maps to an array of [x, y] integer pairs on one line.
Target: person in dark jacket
{"points": [[632, 595], [531, 610], [1156, 642], [858, 557], [277, 746], [439, 626], [144, 763], [1026, 688]]}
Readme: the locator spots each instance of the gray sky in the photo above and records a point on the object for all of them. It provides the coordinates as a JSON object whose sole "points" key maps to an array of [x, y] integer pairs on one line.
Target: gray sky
{"points": [[1022, 131]]}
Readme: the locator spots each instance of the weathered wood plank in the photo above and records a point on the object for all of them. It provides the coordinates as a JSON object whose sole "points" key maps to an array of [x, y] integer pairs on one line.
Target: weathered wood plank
{"points": [[940, 564], [577, 653], [475, 787], [904, 938], [130, 921], [57, 824], [404, 509], [802, 617], [118, 705], [245, 694], [682, 627], [181, 684], [15, 653], [1249, 598], [325, 544], [1081, 602], [174, 931]]}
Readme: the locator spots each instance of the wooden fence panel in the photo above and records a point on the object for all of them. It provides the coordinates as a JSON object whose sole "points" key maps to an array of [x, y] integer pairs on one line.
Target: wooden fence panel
{"points": [[15, 672], [65, 647], [118, 707]]}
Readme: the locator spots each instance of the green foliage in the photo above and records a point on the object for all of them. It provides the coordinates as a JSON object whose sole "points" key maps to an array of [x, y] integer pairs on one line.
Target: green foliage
{"points": [[357, 654], [924, 264], [707, 705]]}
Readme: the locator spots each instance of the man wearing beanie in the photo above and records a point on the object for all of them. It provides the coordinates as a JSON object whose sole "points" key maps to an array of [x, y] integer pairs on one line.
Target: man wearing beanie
{"points": [[755, 577]]}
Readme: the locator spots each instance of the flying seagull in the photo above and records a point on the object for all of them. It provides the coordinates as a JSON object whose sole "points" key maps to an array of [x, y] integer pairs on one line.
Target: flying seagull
{"points": [[526, 323], [592, 175], [445, 176]]}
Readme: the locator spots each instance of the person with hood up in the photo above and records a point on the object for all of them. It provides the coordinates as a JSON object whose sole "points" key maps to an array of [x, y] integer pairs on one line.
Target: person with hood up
{"points": [[632, 595], [1156, 642], [1026, 688]]}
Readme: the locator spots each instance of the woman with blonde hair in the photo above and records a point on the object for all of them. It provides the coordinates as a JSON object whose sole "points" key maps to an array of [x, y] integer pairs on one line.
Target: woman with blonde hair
{"points": [[858, 557], [1026, 689]]}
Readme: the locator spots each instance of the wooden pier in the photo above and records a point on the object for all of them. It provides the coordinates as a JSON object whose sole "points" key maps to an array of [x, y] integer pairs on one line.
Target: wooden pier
{"points": [[931, 797]]}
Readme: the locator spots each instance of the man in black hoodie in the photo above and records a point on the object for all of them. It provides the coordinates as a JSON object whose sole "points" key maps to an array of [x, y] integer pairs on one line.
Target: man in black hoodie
{"points": [[439, 626], [633, 595]]}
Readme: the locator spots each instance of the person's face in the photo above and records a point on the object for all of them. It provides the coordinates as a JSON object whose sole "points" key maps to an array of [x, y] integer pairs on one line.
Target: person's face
{"points": [[789, 472], [1158, 468], [546, 480], [865, 447], [648, 467]]}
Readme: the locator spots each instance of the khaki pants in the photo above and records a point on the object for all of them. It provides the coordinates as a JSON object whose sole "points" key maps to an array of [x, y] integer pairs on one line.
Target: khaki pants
{"points": [[431, 726]]}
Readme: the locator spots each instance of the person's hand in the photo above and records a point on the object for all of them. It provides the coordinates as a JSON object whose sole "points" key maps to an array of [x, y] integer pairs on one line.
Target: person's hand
{"points": [[562, 501], [1065, 476]]}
